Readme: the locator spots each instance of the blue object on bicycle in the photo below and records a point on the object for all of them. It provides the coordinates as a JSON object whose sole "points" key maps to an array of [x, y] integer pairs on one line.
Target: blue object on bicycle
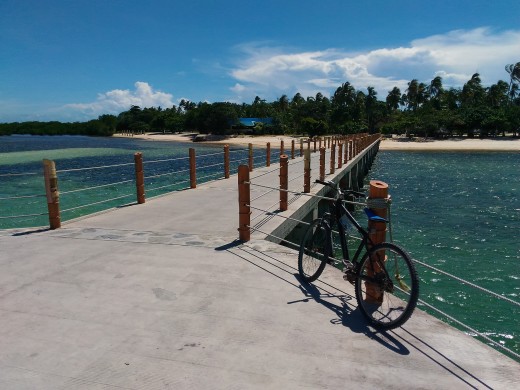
{"points": [[373, 217]]}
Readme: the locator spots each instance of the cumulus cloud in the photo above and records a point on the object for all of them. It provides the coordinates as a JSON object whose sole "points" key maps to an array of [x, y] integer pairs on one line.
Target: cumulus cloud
{"points": [[118, 100], [455, 56]]}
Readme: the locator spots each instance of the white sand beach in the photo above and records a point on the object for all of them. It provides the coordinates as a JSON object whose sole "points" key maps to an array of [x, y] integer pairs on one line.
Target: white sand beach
{"points": [[454, 144]]}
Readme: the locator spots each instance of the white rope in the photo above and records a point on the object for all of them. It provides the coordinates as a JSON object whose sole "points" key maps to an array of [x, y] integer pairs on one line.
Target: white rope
{"points": [[95, 203], [22, 216], [89, 168], [94, 187]]}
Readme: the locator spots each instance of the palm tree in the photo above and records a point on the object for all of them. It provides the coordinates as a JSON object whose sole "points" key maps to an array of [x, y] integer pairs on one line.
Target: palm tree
{"points": [[514, 74], [393, 99]]}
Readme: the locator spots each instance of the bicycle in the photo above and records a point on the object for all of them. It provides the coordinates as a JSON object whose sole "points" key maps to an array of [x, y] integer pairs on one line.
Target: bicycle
{"points": [[384, 276]]}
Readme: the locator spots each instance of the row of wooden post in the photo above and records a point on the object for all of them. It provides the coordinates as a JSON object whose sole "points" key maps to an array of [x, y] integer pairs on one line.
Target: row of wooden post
{"points": [[352, 145]]}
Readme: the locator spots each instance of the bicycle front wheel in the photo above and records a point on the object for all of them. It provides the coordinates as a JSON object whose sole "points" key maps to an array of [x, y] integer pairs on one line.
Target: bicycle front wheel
{"points": [[387, 286], [314, 251]]}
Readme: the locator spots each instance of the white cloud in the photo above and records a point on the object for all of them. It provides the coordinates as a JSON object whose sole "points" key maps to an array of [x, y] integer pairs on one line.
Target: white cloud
{"points": [[455, 56], [118, 100]]}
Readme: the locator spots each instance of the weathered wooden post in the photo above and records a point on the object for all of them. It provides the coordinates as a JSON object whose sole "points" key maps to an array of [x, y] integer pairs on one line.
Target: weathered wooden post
{"points": [[322, 164], [52, 192], [332, 158], [250, 157], [244, 209], [301, 147], [292, 149], [268, 155], [307, 171], [226, 161], [139, 177], [193, 169], [282, 149], [377, 233], [345, 150], [340, 155], [284, 181], [315, 140]]}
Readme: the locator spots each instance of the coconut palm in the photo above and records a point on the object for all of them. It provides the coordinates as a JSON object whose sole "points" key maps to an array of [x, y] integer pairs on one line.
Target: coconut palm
{"points": [[514, 74]]}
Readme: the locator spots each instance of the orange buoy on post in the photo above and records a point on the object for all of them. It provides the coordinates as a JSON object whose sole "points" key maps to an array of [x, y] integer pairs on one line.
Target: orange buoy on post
{"points": [[377, 233]]}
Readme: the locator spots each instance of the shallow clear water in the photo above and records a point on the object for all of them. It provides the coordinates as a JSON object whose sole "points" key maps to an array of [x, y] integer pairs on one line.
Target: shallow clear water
{"points": [[460, 212], [166, 167]]}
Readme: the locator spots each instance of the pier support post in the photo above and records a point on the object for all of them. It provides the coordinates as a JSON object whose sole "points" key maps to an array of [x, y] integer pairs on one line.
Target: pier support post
{"points": [[315, 140], [332, 158], [307, 171], [301, 147], [226, 161], [244, 210], [193, 169], [268, 155], [139, 177], [53, 195], [284, 181], [377, 233], [250, 157], [340, 154], [282, 148], [292, 149], [322, 164]]}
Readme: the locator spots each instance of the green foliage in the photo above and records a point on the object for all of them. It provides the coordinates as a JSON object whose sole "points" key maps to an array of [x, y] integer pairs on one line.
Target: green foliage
{"points": [[424, 109]]}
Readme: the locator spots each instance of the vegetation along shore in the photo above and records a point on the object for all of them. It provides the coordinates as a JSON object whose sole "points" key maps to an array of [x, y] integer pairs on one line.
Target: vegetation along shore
{"points": [[423, 110]]}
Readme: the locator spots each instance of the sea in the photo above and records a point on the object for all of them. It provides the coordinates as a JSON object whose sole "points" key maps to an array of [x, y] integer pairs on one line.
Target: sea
{"points": [[456, 211]]}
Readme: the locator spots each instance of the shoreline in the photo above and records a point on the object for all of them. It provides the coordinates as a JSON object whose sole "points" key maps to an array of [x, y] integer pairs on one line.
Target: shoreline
{"points": [[499, 144]]}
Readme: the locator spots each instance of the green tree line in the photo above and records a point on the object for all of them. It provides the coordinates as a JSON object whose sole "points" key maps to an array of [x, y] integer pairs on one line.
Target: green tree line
{"points": [[423, 109]]}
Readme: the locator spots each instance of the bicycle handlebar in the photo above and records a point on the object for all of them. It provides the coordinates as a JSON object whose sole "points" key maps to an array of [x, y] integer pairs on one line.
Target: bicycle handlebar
{"points": [[335, 186]]}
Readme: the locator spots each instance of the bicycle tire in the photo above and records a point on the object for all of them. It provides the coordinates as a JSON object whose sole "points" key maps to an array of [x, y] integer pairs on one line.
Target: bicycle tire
{"points": [[314, 251], [387, 299]]}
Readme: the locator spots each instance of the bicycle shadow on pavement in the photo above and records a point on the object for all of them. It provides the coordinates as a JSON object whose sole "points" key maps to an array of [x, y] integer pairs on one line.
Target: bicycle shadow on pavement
{"points": [[347, 314]]}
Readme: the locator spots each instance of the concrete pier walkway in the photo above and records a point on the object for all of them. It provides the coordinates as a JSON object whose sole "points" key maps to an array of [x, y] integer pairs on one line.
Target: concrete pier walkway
{"points": [[163, 296]]}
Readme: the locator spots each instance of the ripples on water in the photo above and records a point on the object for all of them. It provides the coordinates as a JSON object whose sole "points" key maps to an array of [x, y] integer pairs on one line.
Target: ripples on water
{"points": [[460, 213]]}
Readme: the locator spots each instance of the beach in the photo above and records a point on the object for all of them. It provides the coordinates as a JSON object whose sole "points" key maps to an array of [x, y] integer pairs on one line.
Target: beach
{"points": [[506, 144]]}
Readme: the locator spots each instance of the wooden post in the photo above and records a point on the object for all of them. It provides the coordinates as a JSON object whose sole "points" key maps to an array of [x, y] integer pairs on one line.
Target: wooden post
{"points": [[244, 210], [193, 169], [52, 192], [301, 147], [307, 171], [332, 158], [319, 143], [250, 157], [377, 233], [139, 177], [284, 181], [226, 161], [315, 140], [282, 149], [292, 149], [309, 144], [340, 155], [322, 164], [345, 151], [268, 155]]}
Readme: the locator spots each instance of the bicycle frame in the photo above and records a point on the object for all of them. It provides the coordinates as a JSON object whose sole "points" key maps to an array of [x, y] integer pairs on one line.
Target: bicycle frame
{"points": [[340, 210]]}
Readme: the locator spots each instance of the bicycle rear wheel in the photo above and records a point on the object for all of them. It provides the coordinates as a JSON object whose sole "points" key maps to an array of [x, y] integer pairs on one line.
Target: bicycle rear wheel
{"points": [[314, 251], [387, 286]]}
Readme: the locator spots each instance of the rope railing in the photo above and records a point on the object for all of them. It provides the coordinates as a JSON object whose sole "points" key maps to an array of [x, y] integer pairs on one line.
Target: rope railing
{"points": [[22, 216], [170, 185], [22, 197], [91, 168], [19, 174], [165, 160], [96, 187], [96, 203]]}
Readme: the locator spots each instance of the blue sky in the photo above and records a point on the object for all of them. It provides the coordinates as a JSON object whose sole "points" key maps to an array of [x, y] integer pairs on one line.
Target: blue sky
{"points": [[75, 60]]}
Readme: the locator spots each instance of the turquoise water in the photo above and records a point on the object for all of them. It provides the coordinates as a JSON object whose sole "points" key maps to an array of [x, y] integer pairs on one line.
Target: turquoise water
{"points": [[84, 192], [460, 212]]}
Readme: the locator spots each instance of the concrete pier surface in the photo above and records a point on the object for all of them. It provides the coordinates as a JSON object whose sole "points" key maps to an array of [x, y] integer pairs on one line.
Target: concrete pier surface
{"points": [[163, 296]]}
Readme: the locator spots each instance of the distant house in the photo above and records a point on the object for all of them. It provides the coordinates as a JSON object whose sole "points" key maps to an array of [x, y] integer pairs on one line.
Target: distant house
{"points": [[251, 122]]}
